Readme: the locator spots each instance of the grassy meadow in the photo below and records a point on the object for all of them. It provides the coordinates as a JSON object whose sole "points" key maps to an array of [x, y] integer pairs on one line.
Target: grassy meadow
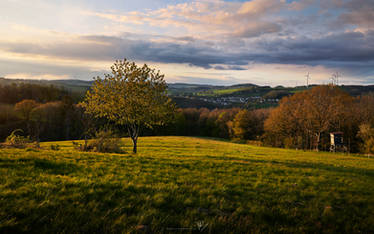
{"points": [[185, 185]]}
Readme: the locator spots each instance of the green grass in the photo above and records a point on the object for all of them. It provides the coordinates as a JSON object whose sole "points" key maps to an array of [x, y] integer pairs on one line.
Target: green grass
{"points": [[176, 182], [219, 92], [227, 91]]}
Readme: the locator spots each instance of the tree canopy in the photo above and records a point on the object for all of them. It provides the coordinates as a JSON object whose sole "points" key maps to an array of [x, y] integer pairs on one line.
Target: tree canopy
{"points": [[132, 96], [303, 119]]}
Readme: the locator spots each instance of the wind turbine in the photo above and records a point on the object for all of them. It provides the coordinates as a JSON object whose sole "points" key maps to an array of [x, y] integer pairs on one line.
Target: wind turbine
{"points": [[335, 78], [307, 79]]}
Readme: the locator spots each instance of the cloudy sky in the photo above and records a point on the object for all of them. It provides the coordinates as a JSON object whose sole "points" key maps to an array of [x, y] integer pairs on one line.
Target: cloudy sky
{"points": [[266, 42]]}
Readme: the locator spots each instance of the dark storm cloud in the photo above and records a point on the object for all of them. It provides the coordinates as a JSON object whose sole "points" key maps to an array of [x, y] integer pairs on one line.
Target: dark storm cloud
{"points": [[201, 80], [351, 47], [346, 50]]}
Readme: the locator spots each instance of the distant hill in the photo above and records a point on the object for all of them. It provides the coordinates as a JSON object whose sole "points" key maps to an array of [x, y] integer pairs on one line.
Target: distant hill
{"points": [[209, 96], [71, 85]]}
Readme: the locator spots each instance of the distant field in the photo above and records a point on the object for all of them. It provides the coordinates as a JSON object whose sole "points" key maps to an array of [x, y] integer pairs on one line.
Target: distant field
{"points": [[218, 92], [181, 184]]}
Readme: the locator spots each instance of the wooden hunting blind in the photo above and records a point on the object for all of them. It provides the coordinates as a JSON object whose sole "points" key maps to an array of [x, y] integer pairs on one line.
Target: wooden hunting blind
{"points": [[336, 138], [337, 144]]}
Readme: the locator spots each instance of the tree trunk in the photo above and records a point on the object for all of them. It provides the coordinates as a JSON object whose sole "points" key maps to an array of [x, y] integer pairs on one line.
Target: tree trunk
{"points": [[134, 133], [134, 141], [318, 135]]}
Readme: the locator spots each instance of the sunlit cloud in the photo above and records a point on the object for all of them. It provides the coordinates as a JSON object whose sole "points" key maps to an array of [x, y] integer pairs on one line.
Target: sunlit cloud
{"points": [[38, 76], [258, 41]]}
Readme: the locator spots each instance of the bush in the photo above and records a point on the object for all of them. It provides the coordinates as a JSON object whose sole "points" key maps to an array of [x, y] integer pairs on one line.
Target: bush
{"points": [[105, 141], [55, 147], [18, 141]]}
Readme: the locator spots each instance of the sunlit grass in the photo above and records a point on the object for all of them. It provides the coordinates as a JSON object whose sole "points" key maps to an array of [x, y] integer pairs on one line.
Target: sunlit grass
{"points": [[176, 182]]}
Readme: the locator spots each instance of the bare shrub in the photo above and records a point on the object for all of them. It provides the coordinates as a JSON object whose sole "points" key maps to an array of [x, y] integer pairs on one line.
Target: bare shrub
{"points": [[104, 141], [55, 147], [17, 141]]}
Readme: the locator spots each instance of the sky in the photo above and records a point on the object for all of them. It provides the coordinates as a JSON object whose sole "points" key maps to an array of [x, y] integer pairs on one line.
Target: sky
{"points": [[265, 42]]}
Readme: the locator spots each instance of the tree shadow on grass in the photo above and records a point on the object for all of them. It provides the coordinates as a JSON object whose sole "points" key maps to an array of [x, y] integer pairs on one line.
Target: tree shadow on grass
{"points": [[47, 166], [319, 166]]}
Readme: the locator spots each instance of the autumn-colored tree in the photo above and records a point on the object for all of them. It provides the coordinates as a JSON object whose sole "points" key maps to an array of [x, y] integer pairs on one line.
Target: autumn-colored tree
{"points": [[48, 120], [244, 125], [366, 133], [24, 109], [224, 118], [364, 116], [132, 96], [283, 127], [365, 109], [303, 119], [326, 109], [249, 124]]}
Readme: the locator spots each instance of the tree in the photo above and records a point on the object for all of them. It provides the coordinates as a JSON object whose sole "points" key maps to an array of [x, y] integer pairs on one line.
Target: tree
{"points": [[130, 96], [306, 118], [244, 125], [248, 125], [366, 133], [48, 119], [24, 108]]}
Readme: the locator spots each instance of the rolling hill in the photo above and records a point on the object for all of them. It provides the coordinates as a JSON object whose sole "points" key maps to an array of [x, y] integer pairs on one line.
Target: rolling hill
{"points": [[187, 184], [208, 96]]}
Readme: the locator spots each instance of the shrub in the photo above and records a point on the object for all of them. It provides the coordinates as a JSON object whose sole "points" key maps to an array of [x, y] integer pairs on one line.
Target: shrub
{"points": [[82, 147], [18, 141], [105, 141], [55, 147]]}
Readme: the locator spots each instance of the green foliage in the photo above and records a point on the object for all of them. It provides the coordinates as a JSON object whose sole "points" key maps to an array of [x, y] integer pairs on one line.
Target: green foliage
{"points": [[16, 91], [176, 182], [248, 125], [104, 141], [7, 114], [132, 96], [366, 133]]}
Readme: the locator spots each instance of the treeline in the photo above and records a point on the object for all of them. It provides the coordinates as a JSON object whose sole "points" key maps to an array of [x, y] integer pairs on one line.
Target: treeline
{"points": [[306, 119], [64, 120], [13, 93], [42, 112], [48, 113], [218, 123], [303, 120], [57, 120]]}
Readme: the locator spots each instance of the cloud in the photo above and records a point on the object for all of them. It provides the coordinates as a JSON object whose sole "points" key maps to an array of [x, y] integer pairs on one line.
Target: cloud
{"points": [[223, 67], [35, 70], [359, 13], [208, 81], [36, 76], [258, 8], [300, 5], [210, 34], [258, 29], [349, 50], [207, 18]]}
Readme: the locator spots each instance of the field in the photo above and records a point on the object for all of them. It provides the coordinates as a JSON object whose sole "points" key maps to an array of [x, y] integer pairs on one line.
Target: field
{"points": [[185, 185]]}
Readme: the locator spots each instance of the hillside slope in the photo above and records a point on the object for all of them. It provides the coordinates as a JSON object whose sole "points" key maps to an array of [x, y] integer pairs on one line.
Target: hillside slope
{"points": [[181, 183]]}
